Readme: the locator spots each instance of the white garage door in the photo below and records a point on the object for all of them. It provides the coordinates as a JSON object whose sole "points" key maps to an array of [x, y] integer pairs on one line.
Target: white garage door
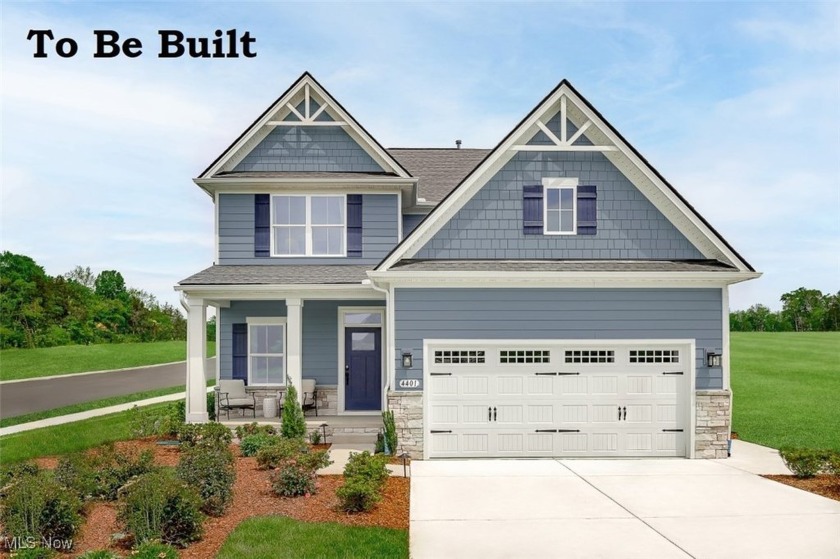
{"points": [[561, 399]]}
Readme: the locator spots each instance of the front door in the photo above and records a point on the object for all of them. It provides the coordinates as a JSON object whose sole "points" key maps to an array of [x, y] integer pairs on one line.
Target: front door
{"points": [[362, 369]]}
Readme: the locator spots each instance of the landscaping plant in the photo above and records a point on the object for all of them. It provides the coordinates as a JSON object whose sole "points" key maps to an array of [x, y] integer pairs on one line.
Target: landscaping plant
{"points": [[315, 437], [35, 553], [364, 479], [160, 507], [99, 474], [36, 506], [390, 432], [293, 423], [204, 434], [99, 554], [251, 444], [254, 428], [803, 462], [210, 470], [295, 475], [272, 456], [154, 550]]}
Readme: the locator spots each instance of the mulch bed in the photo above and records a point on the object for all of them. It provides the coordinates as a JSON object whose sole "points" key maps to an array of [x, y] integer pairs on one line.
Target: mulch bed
{"points": [[252, 497], [825, 485]]}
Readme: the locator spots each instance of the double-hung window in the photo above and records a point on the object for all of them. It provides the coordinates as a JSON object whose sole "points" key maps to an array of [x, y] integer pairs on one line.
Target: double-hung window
{"points": [[309, 225], [266, 351], [560, 209]]}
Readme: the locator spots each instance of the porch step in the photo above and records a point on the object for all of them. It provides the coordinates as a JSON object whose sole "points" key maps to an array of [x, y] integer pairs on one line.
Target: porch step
{"points": [[339, 437]]}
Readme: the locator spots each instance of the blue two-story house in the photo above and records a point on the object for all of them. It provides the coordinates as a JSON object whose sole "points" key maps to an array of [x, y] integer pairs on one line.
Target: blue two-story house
{"points": [[551, 296]]}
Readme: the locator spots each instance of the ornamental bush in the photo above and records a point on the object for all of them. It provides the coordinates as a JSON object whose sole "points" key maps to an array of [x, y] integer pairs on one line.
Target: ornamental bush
{"points": [[390, 432], [154, 550], [358, 495], [803, 462], [204, 434], [251, 444], [293, 423], [160, 507], [254, 428], [272, 456], [98, 554], [100, 473], [295, 475], [36, 506], [368, 467], [211, 472]]}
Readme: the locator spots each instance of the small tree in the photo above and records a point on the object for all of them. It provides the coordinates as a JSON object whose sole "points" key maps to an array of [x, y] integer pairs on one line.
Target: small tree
{"points": [[294, 424]]}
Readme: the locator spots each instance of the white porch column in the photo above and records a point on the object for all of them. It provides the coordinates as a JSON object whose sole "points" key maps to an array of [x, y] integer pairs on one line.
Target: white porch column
{"points": [[196, 355], [294, 344]]}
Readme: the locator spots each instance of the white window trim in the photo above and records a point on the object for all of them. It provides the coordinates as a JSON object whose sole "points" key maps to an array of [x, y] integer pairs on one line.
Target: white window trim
{"points": [[308, 246], [268, 321], [560, 184]]}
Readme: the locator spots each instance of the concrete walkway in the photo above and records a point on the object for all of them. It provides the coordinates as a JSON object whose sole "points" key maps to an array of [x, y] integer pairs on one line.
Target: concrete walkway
{"points": [[657, 508], [340, 454], [756, 459]]}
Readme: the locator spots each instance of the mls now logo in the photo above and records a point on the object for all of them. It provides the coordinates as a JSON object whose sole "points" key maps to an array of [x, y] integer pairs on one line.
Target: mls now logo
{"points": [[30, 542]]}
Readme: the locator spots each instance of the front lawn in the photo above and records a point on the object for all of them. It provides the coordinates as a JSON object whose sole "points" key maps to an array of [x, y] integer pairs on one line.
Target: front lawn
{"points": [[277, 537], [67, 438], [786, 388], [63, 360]]}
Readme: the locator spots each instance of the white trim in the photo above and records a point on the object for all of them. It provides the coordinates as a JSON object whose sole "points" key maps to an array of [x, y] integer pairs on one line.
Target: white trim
{"points": [[652, 187], [560, 184], [686, 345], [725, 359], [277, 112], [217, 250], [219, 341], [399, 217], [282, 291], [267, 321], [307, 225], [342, 327], [541, 147]]}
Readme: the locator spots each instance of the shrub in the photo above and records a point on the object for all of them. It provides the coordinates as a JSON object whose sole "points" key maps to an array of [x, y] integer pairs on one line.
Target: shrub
{"points": [[144, 422], [315, 437], [15, 472], [390, 432], [379, 447], [296, 474], [254, 428], [832, 463], [270, 457], [211, 406], [802, 462], [358, 494], [251, 444], [171, 420], [204, 434], [99, 554], [158, 506], [101, 473], [368, 467], [293, 423], [154, 550], [210, 471], [36, 506], [35, 553]]}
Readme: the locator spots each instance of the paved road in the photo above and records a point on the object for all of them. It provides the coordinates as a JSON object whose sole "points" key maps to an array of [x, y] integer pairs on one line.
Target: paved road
{"points": [[19, 398]]}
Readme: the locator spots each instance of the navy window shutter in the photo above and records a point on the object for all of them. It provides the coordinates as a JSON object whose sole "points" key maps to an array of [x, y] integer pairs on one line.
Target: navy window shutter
{"points": [[587, 219], [240, 352], [532, 209], [354, 225], [262, 225]]}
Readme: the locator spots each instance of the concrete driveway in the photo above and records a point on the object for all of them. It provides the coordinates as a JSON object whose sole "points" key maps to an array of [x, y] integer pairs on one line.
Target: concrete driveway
{"points": [[613, 509]]}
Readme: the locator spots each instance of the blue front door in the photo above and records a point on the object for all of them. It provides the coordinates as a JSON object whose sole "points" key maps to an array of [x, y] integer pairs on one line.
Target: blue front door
{"points": [[362, 369]]}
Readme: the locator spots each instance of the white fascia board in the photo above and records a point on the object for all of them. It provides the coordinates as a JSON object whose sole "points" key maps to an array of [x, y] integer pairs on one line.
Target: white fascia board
{"points": [[559, 279], [262, 127], [278, 291], [248, 185]]}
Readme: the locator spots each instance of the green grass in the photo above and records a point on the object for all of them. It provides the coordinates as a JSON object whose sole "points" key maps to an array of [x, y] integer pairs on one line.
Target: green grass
{"points": [[277, 537], [67, 438], [64, 360], [786, 388], [94, 405]]}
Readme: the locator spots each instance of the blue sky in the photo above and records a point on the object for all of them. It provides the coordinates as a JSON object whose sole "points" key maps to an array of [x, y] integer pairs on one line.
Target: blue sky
{"points": [[737, 104]]}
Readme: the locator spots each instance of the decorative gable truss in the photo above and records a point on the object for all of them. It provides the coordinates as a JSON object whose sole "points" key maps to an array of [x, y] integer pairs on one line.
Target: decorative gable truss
{"points": [[305, 104], [591, 133]]}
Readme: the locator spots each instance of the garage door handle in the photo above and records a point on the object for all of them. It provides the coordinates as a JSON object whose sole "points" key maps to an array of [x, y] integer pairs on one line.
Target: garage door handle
{"points": [[489, 413], [546, 374], [673, 373], [494, 414], [619, 413], [440, 374], [546, 431], [672, 430], [568, 430], [433, 431], [566, 374], [625, 413]]}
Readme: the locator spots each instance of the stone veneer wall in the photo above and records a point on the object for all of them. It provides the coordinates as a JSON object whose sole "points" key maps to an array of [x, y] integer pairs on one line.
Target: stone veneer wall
{"points": [[712, 431], [408, 416]]}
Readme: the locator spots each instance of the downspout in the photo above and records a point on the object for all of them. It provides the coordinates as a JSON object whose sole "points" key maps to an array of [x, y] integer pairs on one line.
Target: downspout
{"points": [[389, 324]]}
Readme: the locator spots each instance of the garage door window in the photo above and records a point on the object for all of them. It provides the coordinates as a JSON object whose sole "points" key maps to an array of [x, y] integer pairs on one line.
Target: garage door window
{"points": [[590, 356], [509, 356], [459, 356], [654, 356]]}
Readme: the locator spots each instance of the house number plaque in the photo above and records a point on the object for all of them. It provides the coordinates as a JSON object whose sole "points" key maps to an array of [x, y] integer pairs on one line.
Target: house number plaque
{"points": [[409, 383]]}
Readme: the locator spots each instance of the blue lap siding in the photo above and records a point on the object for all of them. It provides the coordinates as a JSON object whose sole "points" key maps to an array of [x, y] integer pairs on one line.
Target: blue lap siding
{"points": [[526, 314]]}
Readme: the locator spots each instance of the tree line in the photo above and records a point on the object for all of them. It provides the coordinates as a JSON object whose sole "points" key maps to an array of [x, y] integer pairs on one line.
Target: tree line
{"points": [[803, 310], [79, 307]]}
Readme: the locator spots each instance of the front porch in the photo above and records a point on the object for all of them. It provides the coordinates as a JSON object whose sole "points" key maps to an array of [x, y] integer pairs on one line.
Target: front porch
{"points": [[329, 424]]}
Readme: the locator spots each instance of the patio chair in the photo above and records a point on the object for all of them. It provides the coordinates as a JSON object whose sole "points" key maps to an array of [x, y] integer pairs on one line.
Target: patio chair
{"points": [[310, 396], [232, 395]]}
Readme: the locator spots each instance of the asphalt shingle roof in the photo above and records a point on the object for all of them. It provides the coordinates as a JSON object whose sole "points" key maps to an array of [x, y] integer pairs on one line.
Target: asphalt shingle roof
{"points": [[562, 266], [277, 275], [439, 170]]}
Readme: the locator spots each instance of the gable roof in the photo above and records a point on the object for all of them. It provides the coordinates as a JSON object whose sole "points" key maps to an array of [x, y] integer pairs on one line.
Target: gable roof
{"points": [[305, 85], [438, 170], [626, 158]]}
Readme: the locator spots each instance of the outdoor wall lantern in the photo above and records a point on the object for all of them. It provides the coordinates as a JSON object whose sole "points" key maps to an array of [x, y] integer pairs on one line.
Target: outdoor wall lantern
{"points": [[407, 360], [713, 359]]}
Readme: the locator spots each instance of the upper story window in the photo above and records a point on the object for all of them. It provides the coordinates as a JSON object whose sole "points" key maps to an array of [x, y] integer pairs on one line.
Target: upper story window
{"points": [[560, 206], [311, 225]]}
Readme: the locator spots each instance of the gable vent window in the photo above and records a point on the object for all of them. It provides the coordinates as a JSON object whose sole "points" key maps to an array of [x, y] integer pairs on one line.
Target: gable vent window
{"points": [[459, 356], [559, 206], [654, 356], [524, 356], [590, 356], [560, 209]]}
